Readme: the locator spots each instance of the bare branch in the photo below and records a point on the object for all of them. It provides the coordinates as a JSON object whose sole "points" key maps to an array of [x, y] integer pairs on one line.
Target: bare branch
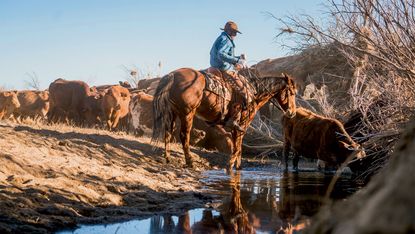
{"points": [[33, 82]]}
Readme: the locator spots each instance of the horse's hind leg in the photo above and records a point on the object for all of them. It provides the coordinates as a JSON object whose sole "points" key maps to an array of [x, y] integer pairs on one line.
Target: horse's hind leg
{"points": [[186, 126], [167, 139]]}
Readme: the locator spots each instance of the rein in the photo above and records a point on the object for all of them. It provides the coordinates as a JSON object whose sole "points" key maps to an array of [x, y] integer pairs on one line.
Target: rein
{"points": [[275, 103]]}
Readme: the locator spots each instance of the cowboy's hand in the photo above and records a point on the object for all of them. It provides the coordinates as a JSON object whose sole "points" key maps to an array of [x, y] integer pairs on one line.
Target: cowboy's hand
{"points": [[242, 63], [238, 66]]}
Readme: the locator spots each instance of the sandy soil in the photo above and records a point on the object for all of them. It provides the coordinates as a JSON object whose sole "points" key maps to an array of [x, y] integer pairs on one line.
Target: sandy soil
{"points": [[53, 177]]}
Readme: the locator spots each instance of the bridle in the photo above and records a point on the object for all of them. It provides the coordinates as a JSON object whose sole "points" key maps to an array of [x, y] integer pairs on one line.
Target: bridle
{"points": [[272, 100]]}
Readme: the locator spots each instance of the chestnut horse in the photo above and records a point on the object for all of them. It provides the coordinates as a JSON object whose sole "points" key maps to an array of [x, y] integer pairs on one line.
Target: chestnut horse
{"points": [[182, 94]]}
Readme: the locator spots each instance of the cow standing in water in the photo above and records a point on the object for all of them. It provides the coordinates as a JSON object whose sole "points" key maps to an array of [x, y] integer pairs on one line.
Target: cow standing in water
{"points": [[315, 136]]}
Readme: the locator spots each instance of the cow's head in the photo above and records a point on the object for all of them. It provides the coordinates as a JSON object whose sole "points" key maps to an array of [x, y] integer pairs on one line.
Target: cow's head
{"points": [[92, 110], [355, 150], [11, 102], [196, 135]]}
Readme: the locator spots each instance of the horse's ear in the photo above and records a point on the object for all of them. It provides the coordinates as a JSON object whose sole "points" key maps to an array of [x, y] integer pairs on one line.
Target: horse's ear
{"points": [[286, 78]]}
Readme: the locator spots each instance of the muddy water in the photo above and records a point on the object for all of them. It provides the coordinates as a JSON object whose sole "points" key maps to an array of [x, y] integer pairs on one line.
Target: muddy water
{"points": [[261, 201]]}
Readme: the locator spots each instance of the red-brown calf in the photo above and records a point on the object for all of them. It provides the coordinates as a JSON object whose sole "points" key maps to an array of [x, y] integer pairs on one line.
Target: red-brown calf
{"points": [[315, 136]]}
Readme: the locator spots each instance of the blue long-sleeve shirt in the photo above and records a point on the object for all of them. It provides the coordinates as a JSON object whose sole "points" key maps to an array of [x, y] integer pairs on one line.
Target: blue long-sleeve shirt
{"points": [[222, 54]]}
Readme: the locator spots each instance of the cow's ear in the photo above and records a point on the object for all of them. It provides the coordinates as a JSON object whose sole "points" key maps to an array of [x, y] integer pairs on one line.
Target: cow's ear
{"points": [[346, 145], [343, 144]]}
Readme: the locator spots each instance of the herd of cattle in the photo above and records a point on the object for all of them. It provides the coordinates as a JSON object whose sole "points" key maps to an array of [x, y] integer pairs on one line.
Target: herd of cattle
{"points": [[121, 107], [113, 106], [116, 107]]}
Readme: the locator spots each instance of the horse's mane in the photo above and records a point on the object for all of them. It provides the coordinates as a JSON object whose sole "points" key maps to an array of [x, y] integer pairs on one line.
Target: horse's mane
{"points": [[261, 84]]}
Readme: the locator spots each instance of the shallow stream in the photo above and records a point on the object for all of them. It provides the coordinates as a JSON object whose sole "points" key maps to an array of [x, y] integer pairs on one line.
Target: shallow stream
{"points": [[253, 200]]}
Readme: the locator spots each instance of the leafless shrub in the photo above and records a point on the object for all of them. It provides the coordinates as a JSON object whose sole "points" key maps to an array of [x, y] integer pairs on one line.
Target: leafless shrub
{"points": [[134, 74], [377, 37], [33, 82]]}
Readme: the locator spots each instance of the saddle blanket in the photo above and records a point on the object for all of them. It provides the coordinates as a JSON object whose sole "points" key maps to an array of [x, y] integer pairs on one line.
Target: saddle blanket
{"points": [[217, 86]]}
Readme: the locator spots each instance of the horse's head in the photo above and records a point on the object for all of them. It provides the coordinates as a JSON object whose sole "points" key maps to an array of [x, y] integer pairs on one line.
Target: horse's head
{"points": [[286, 96]]}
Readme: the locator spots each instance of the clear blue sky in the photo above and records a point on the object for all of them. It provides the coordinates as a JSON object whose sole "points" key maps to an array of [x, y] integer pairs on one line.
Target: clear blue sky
{"points": [[91, 40]]}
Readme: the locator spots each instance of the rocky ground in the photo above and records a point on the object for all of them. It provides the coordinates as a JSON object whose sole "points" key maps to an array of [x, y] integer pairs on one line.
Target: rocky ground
{"points": [[53, 177]]}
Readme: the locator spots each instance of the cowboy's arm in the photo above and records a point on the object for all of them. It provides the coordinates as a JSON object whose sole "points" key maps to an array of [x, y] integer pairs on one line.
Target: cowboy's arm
{"points": [[223, 48]]}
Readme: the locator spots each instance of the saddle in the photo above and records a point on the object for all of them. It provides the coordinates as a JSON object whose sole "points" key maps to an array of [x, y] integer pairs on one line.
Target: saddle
{"points": [[216, 84], [226, 88]]}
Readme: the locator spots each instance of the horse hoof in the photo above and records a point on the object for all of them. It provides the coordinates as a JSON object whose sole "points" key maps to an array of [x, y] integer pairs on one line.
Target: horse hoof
{"points": [[189, 163], [167, 159]]}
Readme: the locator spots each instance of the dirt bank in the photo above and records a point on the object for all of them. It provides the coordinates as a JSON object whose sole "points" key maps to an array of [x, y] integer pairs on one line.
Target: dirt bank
{"points": [[56, 176], [385, 205]]}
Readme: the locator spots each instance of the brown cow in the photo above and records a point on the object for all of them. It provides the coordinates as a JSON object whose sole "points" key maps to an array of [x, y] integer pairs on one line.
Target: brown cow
{"points": [[318, 137], [102, 89], [92, 112], [141, 109], [8, 103], [150, 85], [33, 104], [68, 100], [115, 105]]}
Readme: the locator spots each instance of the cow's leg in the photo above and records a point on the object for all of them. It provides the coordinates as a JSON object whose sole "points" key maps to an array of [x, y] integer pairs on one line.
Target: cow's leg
{"points": [[321, 165], [287, 147], [168, 135], [109, 118], [185, 128], [51, 115], [116, 119], [296, 158]]}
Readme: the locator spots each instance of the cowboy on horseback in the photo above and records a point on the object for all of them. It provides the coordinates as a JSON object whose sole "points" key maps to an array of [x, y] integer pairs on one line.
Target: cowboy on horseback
{"points": [[222, 58]]}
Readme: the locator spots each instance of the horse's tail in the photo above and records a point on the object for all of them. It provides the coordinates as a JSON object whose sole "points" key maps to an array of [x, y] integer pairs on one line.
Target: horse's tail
{"points": [[162, 109]]}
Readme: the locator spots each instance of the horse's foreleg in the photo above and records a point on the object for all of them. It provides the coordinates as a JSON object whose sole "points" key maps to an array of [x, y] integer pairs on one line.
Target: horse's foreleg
{"points": [[186, 126], [238, 152], [234, 155]]}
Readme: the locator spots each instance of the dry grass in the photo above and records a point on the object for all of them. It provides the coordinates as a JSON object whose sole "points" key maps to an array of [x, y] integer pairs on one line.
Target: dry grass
{"points": [[373, 41]]}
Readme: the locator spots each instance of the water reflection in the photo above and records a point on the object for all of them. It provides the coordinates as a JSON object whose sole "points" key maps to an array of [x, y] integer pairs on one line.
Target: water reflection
{"points": [[250, 201], [272, 203], [232, 218]]}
